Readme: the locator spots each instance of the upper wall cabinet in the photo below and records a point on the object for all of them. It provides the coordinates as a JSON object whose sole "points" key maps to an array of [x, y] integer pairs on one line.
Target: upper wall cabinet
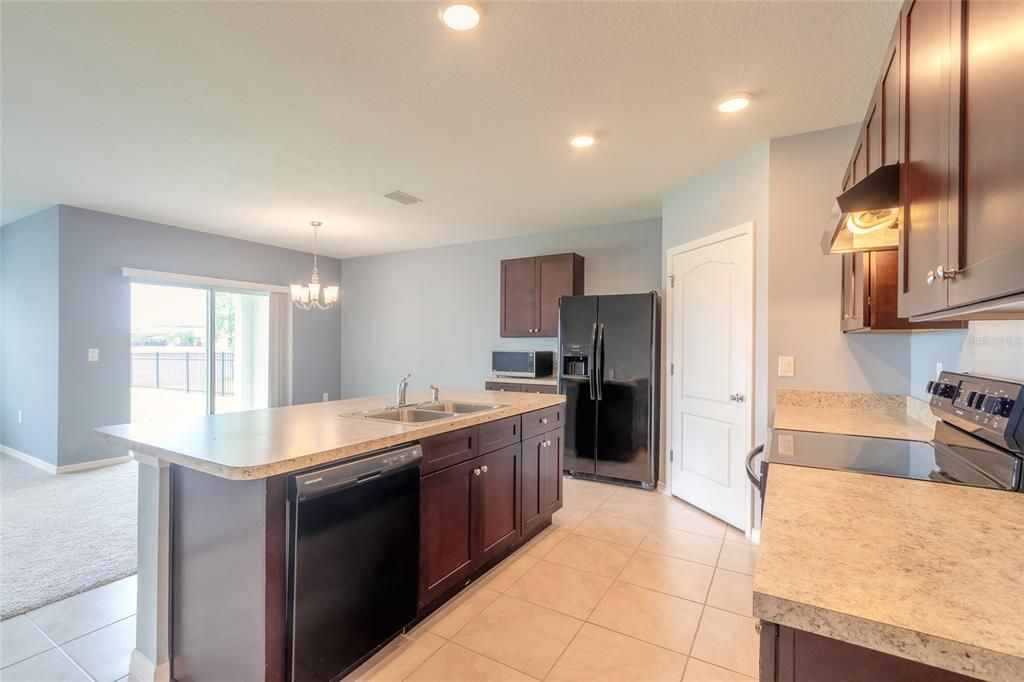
{"points": [[962, 180], [530, 289]]}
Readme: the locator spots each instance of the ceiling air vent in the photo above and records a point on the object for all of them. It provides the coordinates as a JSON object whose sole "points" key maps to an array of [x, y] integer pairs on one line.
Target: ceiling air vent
{"points": [[402, 198]]}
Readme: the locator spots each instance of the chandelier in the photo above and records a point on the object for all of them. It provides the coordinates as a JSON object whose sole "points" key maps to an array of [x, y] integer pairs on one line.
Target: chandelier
{"points": [[307, 296]]}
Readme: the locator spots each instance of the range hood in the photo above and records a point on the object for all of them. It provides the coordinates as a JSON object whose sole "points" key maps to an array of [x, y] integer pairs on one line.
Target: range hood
{"points": [[868, 214]]}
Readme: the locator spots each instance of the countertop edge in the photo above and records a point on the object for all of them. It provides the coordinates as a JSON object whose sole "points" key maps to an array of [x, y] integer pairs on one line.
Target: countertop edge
{"points": [[931, 650], [270, 469]]}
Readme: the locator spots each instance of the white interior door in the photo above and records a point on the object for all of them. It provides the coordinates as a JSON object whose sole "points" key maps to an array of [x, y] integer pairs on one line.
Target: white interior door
{"points": [[711, 344]]}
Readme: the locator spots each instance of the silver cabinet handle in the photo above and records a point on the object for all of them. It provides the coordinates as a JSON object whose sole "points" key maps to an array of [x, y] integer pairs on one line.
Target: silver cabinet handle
{"points": [[737, 397], [943, 273], [544, 420], [930, 278], [484, 468], [476, 472], [545, 443]]}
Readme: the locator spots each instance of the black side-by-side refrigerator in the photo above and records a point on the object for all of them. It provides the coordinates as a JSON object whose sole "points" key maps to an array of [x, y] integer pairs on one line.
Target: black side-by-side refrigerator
{"points": [[609, 371]]}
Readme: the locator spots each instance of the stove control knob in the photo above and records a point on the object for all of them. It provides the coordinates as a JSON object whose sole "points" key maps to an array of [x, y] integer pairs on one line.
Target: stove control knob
{"points": [[947, 391], [969, 402], [979, 399], [1000, 407], [930, 388]]}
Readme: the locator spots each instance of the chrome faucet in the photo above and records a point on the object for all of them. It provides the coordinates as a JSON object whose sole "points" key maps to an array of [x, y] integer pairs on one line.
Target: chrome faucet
{"points": [[435, 393], [400, 391]]}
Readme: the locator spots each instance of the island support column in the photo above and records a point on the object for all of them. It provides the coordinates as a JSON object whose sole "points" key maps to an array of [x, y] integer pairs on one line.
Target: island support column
{"points": [[150, 660]]}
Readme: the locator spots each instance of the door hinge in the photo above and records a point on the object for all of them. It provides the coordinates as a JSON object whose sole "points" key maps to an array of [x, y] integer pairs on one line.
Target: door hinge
{"points": [[671, 369], [671, 455]]}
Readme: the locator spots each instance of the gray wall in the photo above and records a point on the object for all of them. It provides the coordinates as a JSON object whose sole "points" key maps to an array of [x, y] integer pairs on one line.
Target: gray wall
{"points": [[435, 312], [95, 305], [805, 285], [729, 195], [29, 333]]}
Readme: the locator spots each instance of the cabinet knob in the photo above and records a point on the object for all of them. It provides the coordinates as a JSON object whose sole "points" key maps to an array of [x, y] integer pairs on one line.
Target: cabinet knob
{"points": [[943, 273], [545, 443], [544, 420], [930, 278], [484, 468], [476, 472]]}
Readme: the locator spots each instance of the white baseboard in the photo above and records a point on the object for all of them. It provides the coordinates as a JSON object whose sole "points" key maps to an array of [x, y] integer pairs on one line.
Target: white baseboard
{"points": [[661, 488], [29, 459], [141, 669], [65, 468], [755, 536]]}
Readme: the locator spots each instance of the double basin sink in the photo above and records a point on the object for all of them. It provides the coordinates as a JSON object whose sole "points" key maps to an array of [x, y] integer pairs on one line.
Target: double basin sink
{"points": [[427, 412]]}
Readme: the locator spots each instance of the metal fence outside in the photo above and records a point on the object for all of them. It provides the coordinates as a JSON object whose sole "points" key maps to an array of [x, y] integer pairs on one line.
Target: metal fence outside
{"points": [[177, 371]]}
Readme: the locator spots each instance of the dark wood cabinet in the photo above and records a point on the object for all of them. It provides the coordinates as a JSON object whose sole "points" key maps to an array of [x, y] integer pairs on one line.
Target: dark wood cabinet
{"points": [[449, 545], [472, 491], [963, 165], [542, 477], [870, 296], [791, 655], [500, 499], [530, 289], [986, 236]]}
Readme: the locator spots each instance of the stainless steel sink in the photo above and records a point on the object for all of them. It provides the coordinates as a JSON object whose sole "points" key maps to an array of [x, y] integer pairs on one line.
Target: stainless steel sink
{"points": [[405, 415], [456, 407]]}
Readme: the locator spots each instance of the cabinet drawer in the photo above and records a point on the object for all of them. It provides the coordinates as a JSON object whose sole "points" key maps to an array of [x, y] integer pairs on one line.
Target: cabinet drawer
{"points": [[500, 434], [502, 386], [447, 449], [539, 388], [542, 421]]}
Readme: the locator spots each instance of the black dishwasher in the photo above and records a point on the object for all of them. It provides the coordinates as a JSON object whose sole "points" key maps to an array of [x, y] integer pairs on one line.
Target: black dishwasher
{"points": [[353, 561]]}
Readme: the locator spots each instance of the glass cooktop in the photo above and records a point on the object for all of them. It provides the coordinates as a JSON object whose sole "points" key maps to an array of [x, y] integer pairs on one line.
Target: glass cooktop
{"points": [[953, 456]]}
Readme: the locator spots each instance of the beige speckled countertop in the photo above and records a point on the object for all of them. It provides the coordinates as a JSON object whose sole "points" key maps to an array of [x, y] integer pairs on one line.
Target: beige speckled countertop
{"points": [[539, 381], [922, 570], [917, 569], [262, 443]]}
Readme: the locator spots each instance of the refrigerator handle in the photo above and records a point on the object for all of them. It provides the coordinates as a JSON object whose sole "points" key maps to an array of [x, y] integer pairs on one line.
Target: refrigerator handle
{"points": [[593, 359], [599, 359]]}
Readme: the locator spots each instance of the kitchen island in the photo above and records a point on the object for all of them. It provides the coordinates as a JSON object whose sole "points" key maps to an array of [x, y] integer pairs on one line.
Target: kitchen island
{"points": [[213, 527]]}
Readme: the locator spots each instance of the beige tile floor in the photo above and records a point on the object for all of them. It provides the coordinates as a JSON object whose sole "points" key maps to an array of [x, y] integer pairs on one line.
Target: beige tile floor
{"points": [[626, 585]]}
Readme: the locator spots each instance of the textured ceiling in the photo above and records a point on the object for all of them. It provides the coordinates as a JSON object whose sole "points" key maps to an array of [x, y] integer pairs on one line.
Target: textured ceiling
{"points": [[249, 119]]}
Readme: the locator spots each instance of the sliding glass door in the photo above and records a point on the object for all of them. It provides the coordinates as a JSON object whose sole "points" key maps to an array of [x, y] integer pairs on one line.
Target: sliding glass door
{"points": [[197, 351]]}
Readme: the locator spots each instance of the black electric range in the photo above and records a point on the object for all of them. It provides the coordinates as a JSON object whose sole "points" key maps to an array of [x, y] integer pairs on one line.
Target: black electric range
{"points": [[977, 441]]}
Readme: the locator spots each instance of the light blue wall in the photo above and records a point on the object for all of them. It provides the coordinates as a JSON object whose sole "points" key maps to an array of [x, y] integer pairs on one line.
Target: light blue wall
{"points": [[726, 196], [435, 312], [990, 347], [29, 334]]}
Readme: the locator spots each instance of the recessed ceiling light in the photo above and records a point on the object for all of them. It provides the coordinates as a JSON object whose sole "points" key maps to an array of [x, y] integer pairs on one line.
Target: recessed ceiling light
{"points": [[582, 140], [460, 15], [734, 103]]}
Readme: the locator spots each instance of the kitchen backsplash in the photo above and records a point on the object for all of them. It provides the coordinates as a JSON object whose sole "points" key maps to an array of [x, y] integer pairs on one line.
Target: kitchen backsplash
{"points": [[991, 347]]}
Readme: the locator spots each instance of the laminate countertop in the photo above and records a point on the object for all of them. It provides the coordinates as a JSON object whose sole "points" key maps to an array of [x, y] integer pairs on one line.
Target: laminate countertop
{"points": [[918, 569], [263, 443]]}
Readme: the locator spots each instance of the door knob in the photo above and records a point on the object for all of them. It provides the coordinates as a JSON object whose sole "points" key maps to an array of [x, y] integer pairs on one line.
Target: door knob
{"points": [[476, 472], [737, 397]]}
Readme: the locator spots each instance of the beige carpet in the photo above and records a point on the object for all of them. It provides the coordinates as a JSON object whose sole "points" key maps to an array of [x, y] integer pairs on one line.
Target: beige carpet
{"points": [[64, 534]]}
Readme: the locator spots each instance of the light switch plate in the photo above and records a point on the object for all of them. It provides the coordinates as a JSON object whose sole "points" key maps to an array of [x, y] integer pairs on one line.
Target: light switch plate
{"points": [[94, 355], [786, 365]]}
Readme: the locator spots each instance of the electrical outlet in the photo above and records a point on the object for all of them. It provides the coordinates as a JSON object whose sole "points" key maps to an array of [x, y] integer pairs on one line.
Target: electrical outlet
{"points": [[94, 355], [938, 369], [19, 416], [786, 366], [786, 445], [326, 397]]}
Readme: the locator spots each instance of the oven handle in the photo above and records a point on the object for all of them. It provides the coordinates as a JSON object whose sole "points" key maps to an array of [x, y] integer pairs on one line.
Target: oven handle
{"points": [[751, 474]]}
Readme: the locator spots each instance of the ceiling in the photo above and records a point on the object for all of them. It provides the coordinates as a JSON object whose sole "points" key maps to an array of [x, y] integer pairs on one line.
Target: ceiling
{"points": [[249, 119]]}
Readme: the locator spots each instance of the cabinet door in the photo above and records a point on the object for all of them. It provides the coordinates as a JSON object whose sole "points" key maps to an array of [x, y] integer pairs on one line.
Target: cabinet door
{"points": [[519, 297], [448, 531], [854, 292], [556, 277], [542, 478], [988, 246], [873, 134], [927, 170], [500, 499], [889, 103]]}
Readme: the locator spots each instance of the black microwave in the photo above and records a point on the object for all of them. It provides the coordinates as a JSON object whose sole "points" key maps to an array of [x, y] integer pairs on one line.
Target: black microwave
{"points": [[523, 363]]}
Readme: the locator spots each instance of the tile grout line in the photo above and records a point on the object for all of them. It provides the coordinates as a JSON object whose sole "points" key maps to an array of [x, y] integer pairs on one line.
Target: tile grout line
{"points": [[61, 650]]}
